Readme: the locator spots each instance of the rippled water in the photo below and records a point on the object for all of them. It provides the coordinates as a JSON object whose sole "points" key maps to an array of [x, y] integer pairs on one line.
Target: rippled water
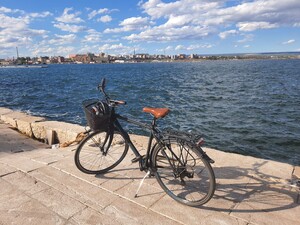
{"points": [[249, 107]]}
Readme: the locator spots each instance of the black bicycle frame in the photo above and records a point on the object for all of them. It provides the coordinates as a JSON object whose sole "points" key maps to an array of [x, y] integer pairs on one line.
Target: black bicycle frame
{"points": [[154, 134], [151, 128]]}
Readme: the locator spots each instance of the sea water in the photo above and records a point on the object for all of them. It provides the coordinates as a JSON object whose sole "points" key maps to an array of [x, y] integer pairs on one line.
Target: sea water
{"points": [[248, 107]]}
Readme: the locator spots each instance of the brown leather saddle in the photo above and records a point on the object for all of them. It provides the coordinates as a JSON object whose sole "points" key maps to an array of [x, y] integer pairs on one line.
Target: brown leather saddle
{"points": [[157, 112]]}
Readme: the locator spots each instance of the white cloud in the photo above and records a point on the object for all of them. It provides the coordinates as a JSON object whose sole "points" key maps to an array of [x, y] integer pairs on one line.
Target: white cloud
{"points": [[92, 37], [158, 9], [251, 26], [247, 37], [179, 47], [8, 10], [209, 16], [288, 42], [178, 21], [168, 48], [69, 28], [5, 10], [162, 21], [16, 30], [42, 49], [40, 15], [94, 13], [225, 34], [67, 17], [63, 39], [117, 48], [193, 47], [105, 19], [135, 21], [160, 33], [131, 24]]}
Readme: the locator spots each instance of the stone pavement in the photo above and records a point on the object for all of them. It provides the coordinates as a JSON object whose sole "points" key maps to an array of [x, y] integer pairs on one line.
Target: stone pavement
{"points": [[40, 185]]}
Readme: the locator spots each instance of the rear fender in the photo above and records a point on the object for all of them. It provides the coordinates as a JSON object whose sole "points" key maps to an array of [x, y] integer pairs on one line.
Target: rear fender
{"points": [[189, 139]]}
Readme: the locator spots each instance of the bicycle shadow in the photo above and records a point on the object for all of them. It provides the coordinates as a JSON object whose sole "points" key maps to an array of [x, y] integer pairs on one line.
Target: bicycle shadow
{"points": [[249, 190], [238, 190]]}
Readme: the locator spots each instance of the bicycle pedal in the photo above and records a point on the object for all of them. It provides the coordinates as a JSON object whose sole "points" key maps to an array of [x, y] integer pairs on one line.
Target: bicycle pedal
{"points": [[136, 159]]}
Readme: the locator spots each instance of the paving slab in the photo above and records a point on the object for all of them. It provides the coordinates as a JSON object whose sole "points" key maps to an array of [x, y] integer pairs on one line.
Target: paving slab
{"points": [[24, 182], [63, 205], [89, 216], [22, 163], [39, 185], [95, 197], [127, 212], [147, 196], [5, 169], [18, 208], [31, 213]]}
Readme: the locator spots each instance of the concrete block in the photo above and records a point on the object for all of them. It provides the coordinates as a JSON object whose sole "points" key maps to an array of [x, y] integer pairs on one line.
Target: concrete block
{"points": [[296, 174], [24, 124], [11, 117], [64, 132], [4, 111], [38, 130], [50, 137]]}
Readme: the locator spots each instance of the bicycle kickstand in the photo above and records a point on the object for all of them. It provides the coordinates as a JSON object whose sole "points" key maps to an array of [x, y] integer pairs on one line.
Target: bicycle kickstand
{"points": [[141, 183]]}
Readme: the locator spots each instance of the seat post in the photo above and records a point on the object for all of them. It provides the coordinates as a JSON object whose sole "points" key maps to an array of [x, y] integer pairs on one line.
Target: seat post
{"points": [[153, 122]]}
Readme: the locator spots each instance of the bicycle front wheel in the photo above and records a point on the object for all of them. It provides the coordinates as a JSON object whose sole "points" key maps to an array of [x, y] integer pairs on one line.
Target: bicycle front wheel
{"points": [[183, 173], [100, 152]]}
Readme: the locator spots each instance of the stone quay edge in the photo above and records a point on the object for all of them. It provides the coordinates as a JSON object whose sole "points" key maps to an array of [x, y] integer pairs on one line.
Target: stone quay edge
{"points": [[51, 132]]}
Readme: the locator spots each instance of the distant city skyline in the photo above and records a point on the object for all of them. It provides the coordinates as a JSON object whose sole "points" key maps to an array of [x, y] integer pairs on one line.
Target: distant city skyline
{"points": [[156, 27]]}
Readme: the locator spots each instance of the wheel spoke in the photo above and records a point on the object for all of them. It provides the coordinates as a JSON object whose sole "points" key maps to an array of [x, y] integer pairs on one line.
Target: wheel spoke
{"points": [[89, 157], [183, 173]]}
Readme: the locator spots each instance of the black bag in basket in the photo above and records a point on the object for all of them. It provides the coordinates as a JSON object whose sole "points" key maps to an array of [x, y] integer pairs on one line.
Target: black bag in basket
{"points": [[97, 114]]}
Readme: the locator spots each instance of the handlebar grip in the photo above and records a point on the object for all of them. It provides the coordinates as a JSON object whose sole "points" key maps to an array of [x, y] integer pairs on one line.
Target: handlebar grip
{"points": [[118, 102]]}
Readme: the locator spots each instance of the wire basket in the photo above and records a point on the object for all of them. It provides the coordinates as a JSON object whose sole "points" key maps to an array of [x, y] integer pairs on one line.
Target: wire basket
{"points": [[97, 119]]}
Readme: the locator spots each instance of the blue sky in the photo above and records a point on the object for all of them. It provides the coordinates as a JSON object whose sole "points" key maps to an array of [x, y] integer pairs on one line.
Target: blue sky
{"points": [[63, 27]]}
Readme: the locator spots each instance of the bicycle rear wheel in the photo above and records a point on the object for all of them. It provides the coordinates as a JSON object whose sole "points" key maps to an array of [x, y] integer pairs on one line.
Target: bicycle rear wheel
{"points": [[183, 173], [100, 152]]}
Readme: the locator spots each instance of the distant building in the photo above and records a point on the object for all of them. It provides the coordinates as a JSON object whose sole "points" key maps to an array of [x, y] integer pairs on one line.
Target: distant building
{"points": [[43, 59], [101, 58], [182, 56], [81, 58], [194, 56]]}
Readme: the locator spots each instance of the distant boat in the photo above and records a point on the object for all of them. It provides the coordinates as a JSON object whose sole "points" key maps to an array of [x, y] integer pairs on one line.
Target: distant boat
{"points": [[23, 66]]}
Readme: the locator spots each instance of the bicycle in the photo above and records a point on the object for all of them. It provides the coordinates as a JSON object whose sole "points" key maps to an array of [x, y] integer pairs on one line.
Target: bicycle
{"points": [[175, 158]]}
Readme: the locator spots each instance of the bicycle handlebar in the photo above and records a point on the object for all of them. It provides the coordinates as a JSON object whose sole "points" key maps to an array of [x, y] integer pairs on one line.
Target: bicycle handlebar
{"points": [[117, 102], [101, 87]]}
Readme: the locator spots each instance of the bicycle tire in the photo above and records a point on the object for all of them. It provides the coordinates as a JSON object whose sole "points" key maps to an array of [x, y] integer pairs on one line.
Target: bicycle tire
{"points": [[89, 156], [172, 170]]}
